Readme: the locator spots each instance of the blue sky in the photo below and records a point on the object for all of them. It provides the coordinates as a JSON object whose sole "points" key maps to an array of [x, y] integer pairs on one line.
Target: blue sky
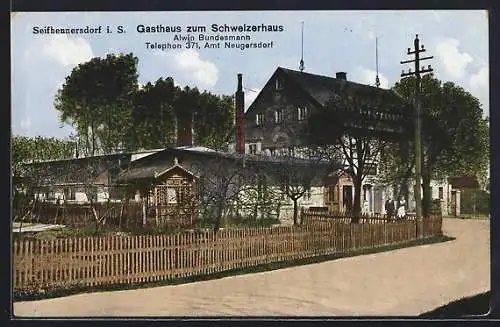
{"points": [[333, 41]]}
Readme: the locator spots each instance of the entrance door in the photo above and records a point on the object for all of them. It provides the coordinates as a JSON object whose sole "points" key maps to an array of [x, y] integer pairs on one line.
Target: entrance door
{"points": [[347, 197], [453, 203]]}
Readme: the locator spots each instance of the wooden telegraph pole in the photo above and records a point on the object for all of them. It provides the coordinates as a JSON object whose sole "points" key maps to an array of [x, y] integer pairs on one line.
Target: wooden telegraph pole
{"points": [[418, 124]]}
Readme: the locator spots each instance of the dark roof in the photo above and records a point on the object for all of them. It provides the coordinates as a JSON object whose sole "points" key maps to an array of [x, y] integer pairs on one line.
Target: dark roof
{"points": [[148, 167], [464, 182], [322, 88], [148, 173]]}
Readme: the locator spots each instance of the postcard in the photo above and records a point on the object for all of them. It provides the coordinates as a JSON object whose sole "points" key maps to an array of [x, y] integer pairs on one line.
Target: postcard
{"points": [[250, 163]]}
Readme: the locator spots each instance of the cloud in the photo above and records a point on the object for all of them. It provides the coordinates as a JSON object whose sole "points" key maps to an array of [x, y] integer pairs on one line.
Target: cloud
{"points": [[367, 76], [479, 86], [68, 51], [203, 71], [455, 62], [479, 79]]}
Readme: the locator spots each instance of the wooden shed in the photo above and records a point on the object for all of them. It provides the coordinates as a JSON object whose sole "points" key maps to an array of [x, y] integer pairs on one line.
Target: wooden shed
{"points": [[167, 195]]}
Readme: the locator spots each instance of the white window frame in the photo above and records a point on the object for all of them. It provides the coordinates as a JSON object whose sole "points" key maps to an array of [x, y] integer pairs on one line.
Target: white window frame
{"points": [[259, 119], [302, 113], [279, 84], [278, 116], [252, 148]]}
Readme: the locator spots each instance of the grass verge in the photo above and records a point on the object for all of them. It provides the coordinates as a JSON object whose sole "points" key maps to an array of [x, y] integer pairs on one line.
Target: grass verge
{"points": [[473, 305], [37, 295]]}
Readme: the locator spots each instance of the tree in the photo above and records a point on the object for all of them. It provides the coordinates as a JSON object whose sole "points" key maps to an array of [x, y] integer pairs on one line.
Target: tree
{"points": [[97, 100], [26, 181], [294, 176], [220, 180], [213, 120], [153, 116], [357, 123], [454, 133]]}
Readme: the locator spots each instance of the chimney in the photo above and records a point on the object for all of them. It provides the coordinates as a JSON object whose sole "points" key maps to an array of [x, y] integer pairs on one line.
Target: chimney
{"points": [[185, 129], [240, 117], [341, 75]]}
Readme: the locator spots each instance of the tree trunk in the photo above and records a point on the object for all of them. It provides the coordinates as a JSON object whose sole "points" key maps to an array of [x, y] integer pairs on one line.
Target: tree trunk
{"points": [[295, 212], [426, 194], [356, 208], [218, 217]]}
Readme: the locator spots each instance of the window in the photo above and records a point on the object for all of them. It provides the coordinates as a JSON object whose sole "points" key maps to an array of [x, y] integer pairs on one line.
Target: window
{"points": [[301, 113], [91, 193], [278, 116], [441, 192], [279, 84], [252, 149], [117, 192], [259, 119], [291, 151], [50, 195], [171, 195], [307, 194], [69, 193], [332, 194]]}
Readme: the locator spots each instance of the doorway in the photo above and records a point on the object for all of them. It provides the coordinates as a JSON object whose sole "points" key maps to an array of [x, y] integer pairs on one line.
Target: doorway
{"points": [[347, 197]]}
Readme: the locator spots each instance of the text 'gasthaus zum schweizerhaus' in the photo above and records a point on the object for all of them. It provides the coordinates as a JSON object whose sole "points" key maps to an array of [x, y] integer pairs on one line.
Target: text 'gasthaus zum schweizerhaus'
{"points": [[214, 36]]}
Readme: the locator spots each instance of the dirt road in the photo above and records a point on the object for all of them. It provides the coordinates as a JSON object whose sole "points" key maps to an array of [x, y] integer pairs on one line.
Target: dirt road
{"points": [[403, 282]]}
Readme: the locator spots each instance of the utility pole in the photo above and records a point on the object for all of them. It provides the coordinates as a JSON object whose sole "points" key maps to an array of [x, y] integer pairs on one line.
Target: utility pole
{"points": [[418, 124]]}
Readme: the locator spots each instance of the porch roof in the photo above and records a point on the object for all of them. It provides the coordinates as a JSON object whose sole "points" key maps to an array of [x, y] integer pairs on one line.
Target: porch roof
{"points": [[149, 172]]}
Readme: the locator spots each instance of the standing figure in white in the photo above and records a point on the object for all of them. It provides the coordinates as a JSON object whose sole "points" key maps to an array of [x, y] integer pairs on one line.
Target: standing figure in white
{"points": [[401, 209]]}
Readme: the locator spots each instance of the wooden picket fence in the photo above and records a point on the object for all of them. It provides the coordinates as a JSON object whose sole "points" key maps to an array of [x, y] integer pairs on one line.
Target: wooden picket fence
{"points": [[312, 215], [93, 261]]}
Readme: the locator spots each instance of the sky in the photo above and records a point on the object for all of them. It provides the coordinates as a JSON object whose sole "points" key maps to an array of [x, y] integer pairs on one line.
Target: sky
{"points": [[333, 41]]}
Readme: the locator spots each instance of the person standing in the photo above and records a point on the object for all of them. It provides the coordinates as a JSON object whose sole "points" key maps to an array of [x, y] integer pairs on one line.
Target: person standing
{"points": [[389, 208], [401, 209]]}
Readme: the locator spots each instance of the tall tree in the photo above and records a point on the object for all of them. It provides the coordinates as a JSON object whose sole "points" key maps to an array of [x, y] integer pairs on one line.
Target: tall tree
{"points": [[97, 100], [454, 133], [213, 120], [153, 116]]}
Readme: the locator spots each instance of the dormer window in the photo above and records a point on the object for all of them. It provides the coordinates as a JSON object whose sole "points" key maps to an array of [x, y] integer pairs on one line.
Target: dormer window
{"points": [[259, 119], [278, 116], [301, 113], [279, 84]]}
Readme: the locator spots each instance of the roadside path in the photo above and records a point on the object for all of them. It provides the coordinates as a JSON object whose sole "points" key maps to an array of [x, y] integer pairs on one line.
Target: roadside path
{"points": [[408, 281]]}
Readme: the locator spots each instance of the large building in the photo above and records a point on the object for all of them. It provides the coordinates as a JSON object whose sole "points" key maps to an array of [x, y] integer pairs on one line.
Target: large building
{"points": [[275, 125]]}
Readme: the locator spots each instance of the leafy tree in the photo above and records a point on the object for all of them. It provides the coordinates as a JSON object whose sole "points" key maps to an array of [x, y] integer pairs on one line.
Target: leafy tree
{"points": [[153, 115], [27, 181], [97, 100], [454, 133], [356, 124], [101, 99], [213, 120]]}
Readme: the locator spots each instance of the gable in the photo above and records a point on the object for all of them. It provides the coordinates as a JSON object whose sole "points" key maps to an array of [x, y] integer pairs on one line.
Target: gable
{"points": [[269, 90]]}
